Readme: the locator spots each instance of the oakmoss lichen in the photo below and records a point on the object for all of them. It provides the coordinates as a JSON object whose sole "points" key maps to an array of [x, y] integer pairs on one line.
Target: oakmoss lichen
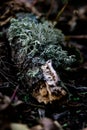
{"points": [[33, 43]]}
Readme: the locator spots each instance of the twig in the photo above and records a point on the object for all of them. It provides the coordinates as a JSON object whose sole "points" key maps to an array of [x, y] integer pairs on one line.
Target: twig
{"points": [[14, 93], [51, 7], [3, 74], [29, 6], [76, 37], [60, 13]]}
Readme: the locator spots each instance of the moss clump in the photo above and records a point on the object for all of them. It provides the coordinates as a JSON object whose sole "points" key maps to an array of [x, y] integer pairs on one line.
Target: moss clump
{"points": [[34, 43]]}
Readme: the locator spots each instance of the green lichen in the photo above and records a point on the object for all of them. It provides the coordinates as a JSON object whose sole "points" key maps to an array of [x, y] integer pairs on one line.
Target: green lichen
{"points": [[33, 43]]}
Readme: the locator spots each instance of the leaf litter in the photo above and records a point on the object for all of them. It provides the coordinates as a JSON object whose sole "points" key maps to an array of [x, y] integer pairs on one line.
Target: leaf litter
{"points": [[16, 105]]}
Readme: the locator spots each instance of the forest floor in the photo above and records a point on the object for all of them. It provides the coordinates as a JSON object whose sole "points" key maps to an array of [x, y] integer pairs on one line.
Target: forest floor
{"points": [[15, 107]]}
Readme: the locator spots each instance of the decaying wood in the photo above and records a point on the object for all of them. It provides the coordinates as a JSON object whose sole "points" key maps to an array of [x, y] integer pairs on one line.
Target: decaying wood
{"points": [[49, 90], [49, 73]]}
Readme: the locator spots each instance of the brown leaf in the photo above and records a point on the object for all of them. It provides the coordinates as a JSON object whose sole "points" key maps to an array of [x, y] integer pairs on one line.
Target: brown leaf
{"points": [[16, 126], [47, 124], [4, 102]]}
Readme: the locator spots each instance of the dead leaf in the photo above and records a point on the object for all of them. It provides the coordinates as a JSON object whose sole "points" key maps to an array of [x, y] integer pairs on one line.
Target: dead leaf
{"points": [[4, 102], [16, 126], [84, 129], [47, 124]]}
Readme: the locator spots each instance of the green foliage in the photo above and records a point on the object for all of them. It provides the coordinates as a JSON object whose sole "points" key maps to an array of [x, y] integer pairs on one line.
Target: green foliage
{"points": [[30, 39]]}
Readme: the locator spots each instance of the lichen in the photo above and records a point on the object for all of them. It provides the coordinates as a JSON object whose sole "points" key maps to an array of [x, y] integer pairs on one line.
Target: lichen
{"points": [[33, 43]]}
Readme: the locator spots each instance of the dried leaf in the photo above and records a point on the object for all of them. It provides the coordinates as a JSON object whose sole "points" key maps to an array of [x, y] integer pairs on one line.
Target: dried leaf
{"points": [[47, 124], [4, 102], [16, 126]]}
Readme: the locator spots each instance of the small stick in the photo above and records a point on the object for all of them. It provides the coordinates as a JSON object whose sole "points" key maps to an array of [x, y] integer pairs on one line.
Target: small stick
{"points": [[14, 93], [60, 12], [76, 37]]}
